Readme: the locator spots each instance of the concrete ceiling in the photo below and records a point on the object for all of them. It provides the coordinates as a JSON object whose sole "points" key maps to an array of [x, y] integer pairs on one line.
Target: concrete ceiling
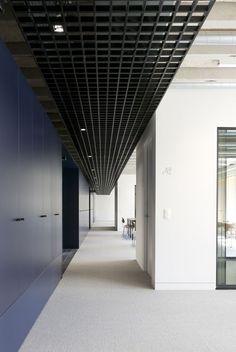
{"points": [[212, 57], [130, 168]]}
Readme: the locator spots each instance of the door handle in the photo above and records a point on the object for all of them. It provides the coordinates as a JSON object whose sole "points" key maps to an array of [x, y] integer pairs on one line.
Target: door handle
{"points": [[19, 219], [43, 216], [56, 214]]}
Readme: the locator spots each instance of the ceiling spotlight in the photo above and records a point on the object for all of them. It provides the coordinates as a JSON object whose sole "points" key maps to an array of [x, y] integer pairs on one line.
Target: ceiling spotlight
{"points": [[89, 156], [2, 8], [58, 28], [83, 129]]}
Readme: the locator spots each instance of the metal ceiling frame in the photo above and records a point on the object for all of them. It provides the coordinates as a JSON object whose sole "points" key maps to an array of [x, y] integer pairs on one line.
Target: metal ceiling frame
{"points": [[109, 69]]}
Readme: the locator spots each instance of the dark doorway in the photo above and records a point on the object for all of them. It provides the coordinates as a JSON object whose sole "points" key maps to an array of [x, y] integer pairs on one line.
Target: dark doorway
{"points": [[70, 192]]}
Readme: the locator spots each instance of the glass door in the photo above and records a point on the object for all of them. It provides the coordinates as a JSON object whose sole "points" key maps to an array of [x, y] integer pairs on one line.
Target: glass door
{"points": [[226, 212]]}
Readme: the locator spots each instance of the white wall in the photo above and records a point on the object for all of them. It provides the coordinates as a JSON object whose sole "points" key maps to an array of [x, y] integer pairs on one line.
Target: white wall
{"points": [[126, 198], [104, 209], [145, 200], [230, 197], [186, 170]]}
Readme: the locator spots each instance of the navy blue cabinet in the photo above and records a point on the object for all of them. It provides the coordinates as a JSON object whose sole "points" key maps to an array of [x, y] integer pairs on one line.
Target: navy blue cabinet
{"points": [[56, 199], [37, 195], [30, 199], [8, 180], [25, 227], [45, 215]]}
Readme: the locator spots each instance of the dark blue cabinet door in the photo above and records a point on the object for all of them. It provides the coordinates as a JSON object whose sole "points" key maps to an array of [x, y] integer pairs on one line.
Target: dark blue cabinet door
{"points": [[8, 180], [37, 196], [54, 211], [25, 184], [46, 220], [58, 195], [30, 158]]}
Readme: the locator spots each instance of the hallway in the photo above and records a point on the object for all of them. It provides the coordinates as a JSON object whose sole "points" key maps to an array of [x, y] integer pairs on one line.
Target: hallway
{"points": [[104, 303]]}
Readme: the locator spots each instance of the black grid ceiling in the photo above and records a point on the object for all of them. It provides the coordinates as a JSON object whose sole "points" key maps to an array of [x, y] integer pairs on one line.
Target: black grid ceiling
{"points": [[109, 69]]}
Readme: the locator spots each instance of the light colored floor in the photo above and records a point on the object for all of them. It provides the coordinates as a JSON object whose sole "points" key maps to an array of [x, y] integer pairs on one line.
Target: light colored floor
{"points": [[103, 223], [104, 304]]}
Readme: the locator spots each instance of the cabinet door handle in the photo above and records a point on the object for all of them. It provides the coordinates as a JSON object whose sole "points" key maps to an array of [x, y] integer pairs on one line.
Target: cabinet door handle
{"points": [[19, 219], [43, 216], [56, 214]]}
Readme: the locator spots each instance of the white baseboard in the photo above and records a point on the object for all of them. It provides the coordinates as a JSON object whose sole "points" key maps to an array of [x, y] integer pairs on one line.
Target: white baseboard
{"points": [[185, 285]]}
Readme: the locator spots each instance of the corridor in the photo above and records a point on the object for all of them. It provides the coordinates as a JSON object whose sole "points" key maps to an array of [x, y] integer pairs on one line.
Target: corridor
{"points": [[104, 303]]}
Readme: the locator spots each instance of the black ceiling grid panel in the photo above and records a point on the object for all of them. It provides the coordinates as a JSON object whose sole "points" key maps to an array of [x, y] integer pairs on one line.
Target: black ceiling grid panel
{"points": [[108, 68], [155, 99], [122, 161]]}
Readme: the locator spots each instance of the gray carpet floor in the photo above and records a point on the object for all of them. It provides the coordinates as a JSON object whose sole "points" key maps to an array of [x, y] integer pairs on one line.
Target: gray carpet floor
{"points": [[104, 303]]}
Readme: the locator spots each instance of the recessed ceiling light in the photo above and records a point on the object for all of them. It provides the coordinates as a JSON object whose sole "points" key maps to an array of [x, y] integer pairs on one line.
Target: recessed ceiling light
{"points": [[89, 156], [83, 129], [58, 28]]}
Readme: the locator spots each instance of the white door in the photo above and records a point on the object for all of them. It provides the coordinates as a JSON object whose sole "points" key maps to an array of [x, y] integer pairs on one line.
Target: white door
{"points": [[149, 207]]}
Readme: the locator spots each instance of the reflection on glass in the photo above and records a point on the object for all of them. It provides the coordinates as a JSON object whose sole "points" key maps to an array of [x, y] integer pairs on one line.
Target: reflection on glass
{"points": [[226, 225]]}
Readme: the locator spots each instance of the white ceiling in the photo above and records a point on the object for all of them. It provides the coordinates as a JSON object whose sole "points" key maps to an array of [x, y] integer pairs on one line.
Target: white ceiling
{"points": [[212, 57], [130, 168]]}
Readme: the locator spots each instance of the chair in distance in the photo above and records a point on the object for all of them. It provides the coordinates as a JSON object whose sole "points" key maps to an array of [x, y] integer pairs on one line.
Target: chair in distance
{"points": [[125, 232]]}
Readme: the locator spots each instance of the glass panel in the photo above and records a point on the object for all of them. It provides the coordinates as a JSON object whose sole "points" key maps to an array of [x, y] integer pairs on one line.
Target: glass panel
{"points": [[226, 222]]}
